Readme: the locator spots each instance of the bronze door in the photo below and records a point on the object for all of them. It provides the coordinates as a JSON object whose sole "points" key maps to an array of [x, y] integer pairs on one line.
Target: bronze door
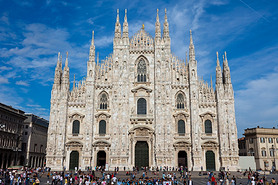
{"points": [[141, 154], [210, 161], [74, 160], [182, 159], [101, 158]]}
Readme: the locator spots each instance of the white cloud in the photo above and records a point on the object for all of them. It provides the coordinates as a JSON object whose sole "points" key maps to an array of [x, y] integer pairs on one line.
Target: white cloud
{"points": [[104, 41], [4, 80], [5, 18], [5, 68], [90, 21], [23, 83], [257, 103]]}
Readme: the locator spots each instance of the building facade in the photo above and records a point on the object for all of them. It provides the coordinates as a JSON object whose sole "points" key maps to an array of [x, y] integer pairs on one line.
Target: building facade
{"points": [[262, 143], [34, 141], [11, 126], [142, 106], [242, 147]]}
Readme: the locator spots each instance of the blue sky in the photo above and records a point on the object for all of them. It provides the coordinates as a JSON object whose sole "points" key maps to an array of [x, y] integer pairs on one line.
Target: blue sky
{"points": [[33, 32]]}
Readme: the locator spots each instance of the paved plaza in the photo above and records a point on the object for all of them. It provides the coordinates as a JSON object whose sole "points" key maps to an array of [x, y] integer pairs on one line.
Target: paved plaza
{"points": [[198, 180]]}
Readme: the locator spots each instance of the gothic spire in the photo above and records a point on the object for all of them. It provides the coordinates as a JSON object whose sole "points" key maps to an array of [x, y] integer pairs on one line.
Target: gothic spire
{"points": [[218, 71], [211, 85], [73, 85], [157, 26], [58, 62], [165, 26], [58, 71], [226, 70], [191, 48], [65, 76], [92, 48], [66, 68], [217, 59], [125, 26], [118, 26], [186, 58], [67, 61]]}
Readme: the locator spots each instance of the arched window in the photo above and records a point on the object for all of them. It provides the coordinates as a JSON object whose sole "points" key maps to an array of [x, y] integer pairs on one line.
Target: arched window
{"points": [[180, 101], [102, 127], [75, 127], [181, 127], [103, 101], [141, 106], [141, 71], [263, 152], [208, 127]]}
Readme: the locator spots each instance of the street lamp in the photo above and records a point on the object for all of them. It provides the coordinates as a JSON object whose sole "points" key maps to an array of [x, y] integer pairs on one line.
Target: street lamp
{"points": [[2, 126], [273, 153]]}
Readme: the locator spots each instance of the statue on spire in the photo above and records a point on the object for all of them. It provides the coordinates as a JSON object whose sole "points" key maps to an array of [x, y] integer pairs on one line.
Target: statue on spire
{"points": [[118, 26], [92, 49], [191, 48], [165, 26], [125, 26], [157, 26]]}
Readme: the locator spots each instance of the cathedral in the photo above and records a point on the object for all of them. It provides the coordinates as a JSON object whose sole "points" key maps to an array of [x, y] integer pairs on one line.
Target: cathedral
{"points": [[142, 107]]}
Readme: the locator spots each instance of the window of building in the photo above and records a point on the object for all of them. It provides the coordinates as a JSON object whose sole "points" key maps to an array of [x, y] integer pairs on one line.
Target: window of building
{"points": [[181, 127], [251, 140], [103, 101], [271, 152], [208, 127], [277, 140], [270, 140], [41, 149], [141, 106], [142, 71], [180, 101], [26, 126], [266, 164], [26, 133], [102, 127], [263, 152], [35, 148], [262, 140], [75, 127]]}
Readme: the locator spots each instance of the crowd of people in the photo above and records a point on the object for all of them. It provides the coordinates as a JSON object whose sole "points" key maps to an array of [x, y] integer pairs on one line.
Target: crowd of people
{"points": [[98, 176]]}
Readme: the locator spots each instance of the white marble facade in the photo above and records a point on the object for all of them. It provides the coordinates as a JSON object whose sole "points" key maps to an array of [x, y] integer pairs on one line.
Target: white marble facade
{"points": [[142, 93]]}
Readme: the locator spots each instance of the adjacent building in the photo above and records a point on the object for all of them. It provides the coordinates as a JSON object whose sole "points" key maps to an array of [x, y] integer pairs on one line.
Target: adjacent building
{"points": [[142, 106], [262, 143], [11, 127], [34, 140], [242, 147]]}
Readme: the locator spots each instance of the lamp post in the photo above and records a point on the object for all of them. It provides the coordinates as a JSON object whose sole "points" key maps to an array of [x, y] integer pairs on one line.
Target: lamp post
{"points": [[273, 153]]}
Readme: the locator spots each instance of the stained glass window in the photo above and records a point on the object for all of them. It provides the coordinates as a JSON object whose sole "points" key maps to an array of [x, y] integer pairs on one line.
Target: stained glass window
{"points": [[141, 71]]}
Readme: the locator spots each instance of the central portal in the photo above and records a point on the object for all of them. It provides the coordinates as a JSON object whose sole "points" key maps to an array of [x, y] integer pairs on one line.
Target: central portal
{"points": [[141, 154], [101, 158]]}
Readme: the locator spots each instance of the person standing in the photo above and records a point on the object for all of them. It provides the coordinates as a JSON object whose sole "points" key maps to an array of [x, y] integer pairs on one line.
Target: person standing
{"points": [[273, 182], [209, 182], [190, 182]]}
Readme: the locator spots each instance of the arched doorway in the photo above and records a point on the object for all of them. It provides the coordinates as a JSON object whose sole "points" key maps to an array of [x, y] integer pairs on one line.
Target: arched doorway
{"points": [[141, 154], [182, 159], [210, 161], [74, 160], [5, 161], [101, 158], [1, 160]]}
